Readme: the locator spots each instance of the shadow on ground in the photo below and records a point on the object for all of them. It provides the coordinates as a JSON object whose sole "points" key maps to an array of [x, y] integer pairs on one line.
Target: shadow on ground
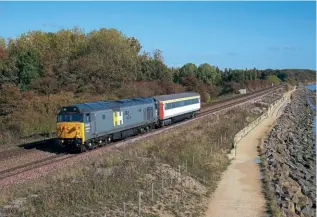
{"points": [[45, 145]]}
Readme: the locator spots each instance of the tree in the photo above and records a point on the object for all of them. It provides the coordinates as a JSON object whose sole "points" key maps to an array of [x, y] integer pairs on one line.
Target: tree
{"points": [[273, 79], [291, 81], [28, 68], [153, 68], [207, 73], [189, 69], [190, 82]]}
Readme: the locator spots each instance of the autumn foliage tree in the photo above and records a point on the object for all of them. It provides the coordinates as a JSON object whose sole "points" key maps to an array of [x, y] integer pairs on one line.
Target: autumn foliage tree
{"points": [[40, 71]]}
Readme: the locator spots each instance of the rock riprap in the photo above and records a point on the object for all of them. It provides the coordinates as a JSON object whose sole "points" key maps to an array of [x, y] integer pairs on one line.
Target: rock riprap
{"points": [[289, 158]]}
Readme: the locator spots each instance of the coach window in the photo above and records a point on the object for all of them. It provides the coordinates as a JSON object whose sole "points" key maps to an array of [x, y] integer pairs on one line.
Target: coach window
{"points": [[103, 117]]}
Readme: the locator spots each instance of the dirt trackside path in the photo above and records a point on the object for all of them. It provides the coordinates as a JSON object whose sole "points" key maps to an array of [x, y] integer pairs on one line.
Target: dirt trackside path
{"points": [[239, 192]]}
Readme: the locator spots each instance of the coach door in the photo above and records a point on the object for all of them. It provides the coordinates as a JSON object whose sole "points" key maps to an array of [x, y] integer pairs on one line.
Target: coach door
{"points": [[90, 124], [93, 124]]}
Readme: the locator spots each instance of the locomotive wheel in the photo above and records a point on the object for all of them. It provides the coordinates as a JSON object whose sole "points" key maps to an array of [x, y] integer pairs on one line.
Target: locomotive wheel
{"points": [[83, 148], [100, 143]]}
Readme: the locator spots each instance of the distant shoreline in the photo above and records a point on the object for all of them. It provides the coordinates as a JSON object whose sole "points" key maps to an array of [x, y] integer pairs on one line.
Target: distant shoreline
{"points": [[310, 83]]}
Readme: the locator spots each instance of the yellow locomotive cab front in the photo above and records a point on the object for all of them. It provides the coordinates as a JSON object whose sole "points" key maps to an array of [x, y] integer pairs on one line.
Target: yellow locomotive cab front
{"points": [[71, 130]]}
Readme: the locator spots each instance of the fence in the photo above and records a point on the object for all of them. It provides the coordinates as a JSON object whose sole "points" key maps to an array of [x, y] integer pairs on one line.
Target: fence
{"points": [[161, 187]]}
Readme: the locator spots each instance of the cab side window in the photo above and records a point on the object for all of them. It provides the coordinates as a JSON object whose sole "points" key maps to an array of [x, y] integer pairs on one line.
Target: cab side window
{"points": [[87, 118]]}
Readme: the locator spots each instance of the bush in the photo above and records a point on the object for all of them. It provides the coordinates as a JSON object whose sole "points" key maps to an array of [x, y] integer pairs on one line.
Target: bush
{"points": [[206, 97]]}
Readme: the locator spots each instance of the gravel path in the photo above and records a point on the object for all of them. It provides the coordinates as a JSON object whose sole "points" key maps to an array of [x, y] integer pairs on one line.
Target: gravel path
{"points": [[239, 192]]}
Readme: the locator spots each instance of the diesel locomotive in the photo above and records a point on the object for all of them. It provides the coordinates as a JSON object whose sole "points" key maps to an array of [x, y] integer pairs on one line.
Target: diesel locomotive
{"points": [[86, 126]]}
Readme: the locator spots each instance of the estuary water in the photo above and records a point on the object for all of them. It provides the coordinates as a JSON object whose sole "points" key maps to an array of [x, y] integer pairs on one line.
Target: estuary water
{"points": [[312, 87]]}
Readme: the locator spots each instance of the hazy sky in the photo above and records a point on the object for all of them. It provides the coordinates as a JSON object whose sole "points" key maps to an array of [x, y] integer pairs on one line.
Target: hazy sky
{"points": [[225, 34]]}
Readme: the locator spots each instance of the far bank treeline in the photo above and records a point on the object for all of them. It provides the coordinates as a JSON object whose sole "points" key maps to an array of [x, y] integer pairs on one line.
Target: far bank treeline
{"points": [[41, 71]]}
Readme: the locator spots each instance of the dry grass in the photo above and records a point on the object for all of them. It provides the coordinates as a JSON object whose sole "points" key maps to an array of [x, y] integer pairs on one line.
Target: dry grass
{"points": [[101, 185]]}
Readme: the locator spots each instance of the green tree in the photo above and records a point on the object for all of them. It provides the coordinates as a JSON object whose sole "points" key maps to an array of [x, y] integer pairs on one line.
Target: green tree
{"points": [[207, 73], [153, 68], [28, 68], [189, 69], [273, 79]]}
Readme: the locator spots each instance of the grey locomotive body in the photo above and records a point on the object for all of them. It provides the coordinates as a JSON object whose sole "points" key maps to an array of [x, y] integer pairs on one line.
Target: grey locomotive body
{"points": [[105, 121]]}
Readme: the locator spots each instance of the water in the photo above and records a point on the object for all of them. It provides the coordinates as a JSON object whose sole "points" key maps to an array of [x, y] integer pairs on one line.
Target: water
{"points": [[312, 87]]}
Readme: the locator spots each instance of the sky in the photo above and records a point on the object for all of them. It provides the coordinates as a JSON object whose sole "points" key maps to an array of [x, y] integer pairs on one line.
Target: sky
{"points": [[246, 34]]}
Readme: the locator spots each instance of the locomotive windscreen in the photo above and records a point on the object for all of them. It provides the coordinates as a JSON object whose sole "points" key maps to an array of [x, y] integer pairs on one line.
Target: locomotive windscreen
{"points": [[69, 109], [70, 117], [69, 114]]}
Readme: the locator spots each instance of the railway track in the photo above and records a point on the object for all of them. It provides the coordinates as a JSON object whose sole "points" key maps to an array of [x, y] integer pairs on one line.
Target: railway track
{"points": [[36, 167], [229, 103], [29, 166], [242, 96]]}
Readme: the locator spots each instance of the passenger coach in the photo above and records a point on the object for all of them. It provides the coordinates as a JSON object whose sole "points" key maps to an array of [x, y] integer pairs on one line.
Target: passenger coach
{"points": [[176, 107]]}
